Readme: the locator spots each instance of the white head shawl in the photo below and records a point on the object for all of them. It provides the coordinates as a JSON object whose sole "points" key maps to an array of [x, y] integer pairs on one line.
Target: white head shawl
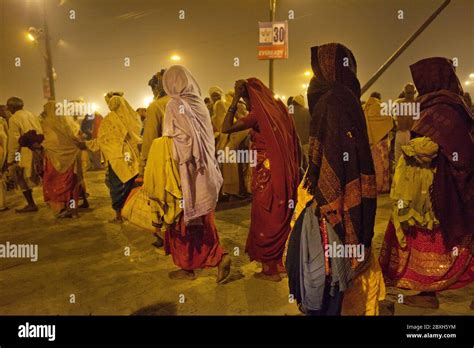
{"points": [[187, 121]]}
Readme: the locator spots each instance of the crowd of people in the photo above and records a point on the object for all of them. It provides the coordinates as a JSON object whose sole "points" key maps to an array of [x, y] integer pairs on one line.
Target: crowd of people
{"points": [[314, 183]]}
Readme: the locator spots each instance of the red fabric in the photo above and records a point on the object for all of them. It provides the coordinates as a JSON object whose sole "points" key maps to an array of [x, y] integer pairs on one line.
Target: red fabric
{"points": [[96, 126], [274, 188], [380, 153], [425, 263], [447, 120], [60, 187], [195, 246]]}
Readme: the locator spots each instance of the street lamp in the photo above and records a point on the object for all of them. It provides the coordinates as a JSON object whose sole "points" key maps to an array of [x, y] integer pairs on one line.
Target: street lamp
{"points": [[175, 58], [307, 73], [30, 37], [33, 35]]}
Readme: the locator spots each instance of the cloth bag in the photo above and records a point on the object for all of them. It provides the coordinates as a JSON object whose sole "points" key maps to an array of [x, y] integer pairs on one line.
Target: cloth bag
{"points": [[137, 210]]}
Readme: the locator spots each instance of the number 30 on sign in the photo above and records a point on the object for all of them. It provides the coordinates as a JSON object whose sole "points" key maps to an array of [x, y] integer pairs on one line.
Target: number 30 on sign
{"points": [[273, 40]]}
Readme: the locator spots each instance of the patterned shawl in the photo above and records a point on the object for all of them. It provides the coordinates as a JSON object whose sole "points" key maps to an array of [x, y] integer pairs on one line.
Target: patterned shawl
{"points": [[446, 119], [341, 173]]}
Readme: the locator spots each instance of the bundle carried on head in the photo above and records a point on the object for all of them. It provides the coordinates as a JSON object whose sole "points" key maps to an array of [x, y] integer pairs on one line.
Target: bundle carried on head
{"points": [[31, 139]]}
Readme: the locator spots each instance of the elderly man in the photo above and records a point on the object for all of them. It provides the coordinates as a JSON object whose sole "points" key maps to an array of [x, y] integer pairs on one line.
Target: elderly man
{"points": [[20, 159], [155, 113]]}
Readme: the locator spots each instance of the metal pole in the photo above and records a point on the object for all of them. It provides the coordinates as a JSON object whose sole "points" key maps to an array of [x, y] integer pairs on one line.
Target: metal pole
{"points": [[402, 48], [48, 56], [270, 62]]}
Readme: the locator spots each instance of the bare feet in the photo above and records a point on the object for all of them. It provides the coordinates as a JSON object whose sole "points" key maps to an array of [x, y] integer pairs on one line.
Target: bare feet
{"points": [[223, 270], [158, 243], [263, 276], [116, 221], [422, 301], [63, 214], [27, 209], [182, 274], [281, 270], [84, 205]]}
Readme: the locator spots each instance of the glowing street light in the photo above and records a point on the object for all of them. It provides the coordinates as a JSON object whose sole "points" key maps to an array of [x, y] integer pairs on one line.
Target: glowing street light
{"points": [[307, 73], [305, 85], [471, 75], [467, 83], [30, 37], [33, 34], [175, 58], [147, 100]]}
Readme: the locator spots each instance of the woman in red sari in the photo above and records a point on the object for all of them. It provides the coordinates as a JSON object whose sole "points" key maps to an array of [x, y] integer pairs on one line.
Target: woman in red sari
{"points": [[436, 257], [276, 174], [62, 176], [193, 241]]}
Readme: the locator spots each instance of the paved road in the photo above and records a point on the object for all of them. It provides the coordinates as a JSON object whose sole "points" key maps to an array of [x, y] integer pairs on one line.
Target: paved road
{"points": [[83, 268]]}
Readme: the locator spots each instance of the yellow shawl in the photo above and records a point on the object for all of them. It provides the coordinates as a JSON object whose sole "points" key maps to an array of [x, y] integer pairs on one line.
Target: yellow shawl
{"points": [[60, 133], [162, 183], [118, 139], [410, 191], [3, 141], [378, 125]]}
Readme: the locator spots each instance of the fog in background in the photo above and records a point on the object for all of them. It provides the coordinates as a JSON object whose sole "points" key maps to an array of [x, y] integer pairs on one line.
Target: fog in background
{"points": [[89, 52]]}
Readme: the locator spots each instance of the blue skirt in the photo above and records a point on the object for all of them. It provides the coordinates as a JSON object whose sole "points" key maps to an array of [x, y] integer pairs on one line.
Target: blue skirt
{"points": [[119, 191]]}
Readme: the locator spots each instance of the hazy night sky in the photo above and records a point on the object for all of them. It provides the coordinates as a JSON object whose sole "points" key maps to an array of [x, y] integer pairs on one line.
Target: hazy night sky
{"points": [[90, 61]]}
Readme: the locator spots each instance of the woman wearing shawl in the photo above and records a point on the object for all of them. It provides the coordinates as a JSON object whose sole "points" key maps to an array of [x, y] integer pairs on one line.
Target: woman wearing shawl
{"points": [[193, 241], [427, 246], [219, 108], [339, 185], [232, 171], [118, 139], [378, 129], [62, 178], [275, 176]]}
